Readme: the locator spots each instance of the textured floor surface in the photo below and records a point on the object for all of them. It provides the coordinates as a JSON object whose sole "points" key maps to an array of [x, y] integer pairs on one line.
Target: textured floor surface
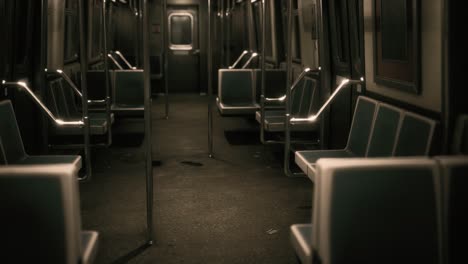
{"points": [[235, 208]]}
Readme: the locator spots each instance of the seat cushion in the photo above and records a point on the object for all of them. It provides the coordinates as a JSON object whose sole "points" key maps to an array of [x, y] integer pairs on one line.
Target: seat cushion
{"points": [[306, 159], [240, 108], [301, 239], [98, 127], [101, 116]]}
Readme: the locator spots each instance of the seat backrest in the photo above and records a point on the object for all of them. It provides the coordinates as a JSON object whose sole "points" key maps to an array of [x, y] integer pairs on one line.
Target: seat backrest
{"points": [[383, 135], [415, 136], [376, 211], [304, 98], [156, 64], [40, 214], [455, 179], [96, 84], [99, 66], [361, 125], [236, 86], [57, 99], [128, 87], [275, 82], [460, 137], [13, 148], [3, 160]]}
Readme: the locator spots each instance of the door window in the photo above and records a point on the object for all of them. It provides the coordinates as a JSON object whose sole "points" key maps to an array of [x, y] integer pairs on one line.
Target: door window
{"points": [[180, 31]]}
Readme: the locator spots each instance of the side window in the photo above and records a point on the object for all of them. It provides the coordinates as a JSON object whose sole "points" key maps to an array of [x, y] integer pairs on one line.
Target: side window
{"points": [[95, 29], [257, 19], [71, 44], [24, 27], [296, 38]]}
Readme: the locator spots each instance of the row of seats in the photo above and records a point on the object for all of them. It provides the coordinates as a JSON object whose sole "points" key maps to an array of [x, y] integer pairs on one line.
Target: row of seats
{"points": [[127, 90], [378, 130], [39, 203], [386, 210], [304, 102], [12, 149], [239, 89], [63, 103]]}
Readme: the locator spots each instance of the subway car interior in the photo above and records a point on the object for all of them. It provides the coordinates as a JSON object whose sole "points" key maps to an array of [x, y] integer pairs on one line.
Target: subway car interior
{"points": [[233, 131]]}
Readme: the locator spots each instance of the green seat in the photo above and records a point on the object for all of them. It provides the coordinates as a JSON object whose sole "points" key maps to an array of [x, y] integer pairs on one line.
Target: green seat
{"points": [[460, 137], [275, 82], [2, 154], [96, 84], [361, 127], [128, 91], [415, 136], [376, 210], [236, 92], [42, 222], [12, 147], [377, 130], [304, 102], [382, 139], [62, 103]]}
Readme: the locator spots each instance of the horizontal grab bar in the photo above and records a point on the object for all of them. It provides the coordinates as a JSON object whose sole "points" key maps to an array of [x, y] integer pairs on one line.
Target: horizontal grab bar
{"points": [[115, 61], [125, 60], [294, 85], [75, 88], [238, 59], [255, 54], [345, 83], [51, 116], [69, 81]]}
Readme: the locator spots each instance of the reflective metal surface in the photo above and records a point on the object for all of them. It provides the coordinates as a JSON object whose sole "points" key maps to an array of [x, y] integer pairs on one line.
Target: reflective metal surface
{"points": [[122, 57], [344, 83], [238, 59], [255, 54], [57, 121]]}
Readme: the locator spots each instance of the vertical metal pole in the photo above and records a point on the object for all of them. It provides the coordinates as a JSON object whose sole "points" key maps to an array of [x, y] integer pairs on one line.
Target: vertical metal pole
{"points": [[84, 90], [228, 33], [166, 55], [106, 72], [287, 127], [43, 65], [446, 93], [222, 27], [148, 135], [262, 65], [210, 88], [324, 63], [136, 13]]}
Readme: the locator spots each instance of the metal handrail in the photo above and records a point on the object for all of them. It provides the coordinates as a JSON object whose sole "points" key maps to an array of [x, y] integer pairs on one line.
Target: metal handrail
{"points": [[294, 85], [115, 61], [255, 54], [57, 121], [238, 59], [75, 88], [70, 82], [125, 60], [345, 83]]}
